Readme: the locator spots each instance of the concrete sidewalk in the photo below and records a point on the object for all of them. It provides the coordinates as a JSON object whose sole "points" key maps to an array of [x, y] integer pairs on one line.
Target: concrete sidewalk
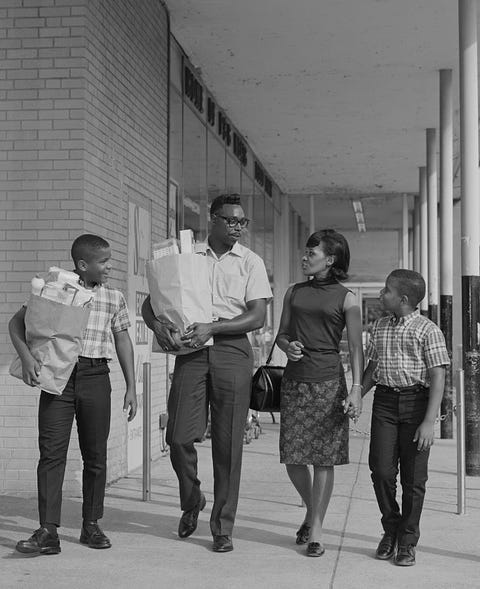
{"points": [[147, 553]]}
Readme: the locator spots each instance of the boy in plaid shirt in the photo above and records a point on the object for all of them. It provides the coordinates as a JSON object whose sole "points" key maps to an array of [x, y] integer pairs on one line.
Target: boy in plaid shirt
{"points": [[86, 396], [407, 358]]}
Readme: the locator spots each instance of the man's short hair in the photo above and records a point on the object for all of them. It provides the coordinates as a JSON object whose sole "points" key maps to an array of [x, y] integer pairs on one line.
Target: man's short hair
{"points": [[409, 283], [224, 199], [84, 246]]}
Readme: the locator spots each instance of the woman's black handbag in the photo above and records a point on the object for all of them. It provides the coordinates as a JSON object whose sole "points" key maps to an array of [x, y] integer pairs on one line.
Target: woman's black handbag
{"points": [[266, 386]]}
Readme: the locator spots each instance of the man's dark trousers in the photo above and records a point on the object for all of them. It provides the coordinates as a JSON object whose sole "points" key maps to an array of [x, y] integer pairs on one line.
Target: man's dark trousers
{"points": [[87, 397], [396, 414], [219, 376]]}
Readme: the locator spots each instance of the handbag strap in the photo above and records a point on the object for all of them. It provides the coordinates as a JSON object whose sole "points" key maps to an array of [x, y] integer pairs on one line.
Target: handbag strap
{"points": [[269, 359]]}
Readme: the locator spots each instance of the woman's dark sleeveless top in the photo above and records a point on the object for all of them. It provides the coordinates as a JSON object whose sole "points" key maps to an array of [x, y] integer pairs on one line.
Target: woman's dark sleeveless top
{"points": [[317, 320]]}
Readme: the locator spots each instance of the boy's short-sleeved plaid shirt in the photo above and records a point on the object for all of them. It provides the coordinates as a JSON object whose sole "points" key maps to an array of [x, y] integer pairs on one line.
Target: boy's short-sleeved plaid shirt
{"points": [[405, 349], [109, 315]]}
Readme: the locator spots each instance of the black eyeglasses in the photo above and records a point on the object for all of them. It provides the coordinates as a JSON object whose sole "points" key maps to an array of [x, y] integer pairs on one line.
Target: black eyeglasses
{"points": [[234, 221]]}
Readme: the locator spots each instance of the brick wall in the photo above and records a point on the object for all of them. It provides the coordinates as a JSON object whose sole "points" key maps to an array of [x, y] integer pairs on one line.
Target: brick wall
{"points": [[83, 114]]}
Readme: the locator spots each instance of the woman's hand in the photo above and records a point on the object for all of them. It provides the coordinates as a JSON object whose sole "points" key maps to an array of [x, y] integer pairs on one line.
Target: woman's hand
{"points": [[353, 403], [294, 351]]}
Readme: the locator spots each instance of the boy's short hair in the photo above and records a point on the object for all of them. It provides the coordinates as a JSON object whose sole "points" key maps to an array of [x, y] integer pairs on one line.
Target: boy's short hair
{"points": [[333, 244], [224, 199], [409, 283], [85, 245]]}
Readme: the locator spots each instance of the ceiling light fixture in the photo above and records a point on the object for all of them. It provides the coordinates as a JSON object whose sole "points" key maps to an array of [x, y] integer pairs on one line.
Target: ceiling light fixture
{"points": [[358, 210]]}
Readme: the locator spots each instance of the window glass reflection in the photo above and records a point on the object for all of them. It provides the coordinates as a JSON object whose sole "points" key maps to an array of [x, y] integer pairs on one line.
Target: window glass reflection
{"points": [[194, 175]]}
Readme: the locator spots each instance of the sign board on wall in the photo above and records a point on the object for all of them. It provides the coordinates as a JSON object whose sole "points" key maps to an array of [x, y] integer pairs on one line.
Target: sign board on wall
{"points": [[139, 240]]}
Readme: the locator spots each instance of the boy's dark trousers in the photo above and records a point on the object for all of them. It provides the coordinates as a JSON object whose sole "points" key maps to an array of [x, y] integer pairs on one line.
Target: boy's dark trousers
{"points": [[396, 415], [87, 397], [219, 375]]}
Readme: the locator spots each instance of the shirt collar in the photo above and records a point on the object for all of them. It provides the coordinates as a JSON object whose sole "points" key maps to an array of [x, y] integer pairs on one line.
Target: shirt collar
{"points": [[82, 282], [237, 250], [406, 319]]}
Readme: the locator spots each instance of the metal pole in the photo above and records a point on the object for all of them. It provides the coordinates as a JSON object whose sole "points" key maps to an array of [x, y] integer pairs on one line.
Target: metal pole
{"points": [[147, 434], [405, 231], [432, 198], [470, 215], [461, 493], [423, 233], [446, 242]]}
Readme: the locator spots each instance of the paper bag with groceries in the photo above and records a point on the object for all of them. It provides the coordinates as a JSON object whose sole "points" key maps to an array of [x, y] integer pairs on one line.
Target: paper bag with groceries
{"points": [[179, 285], [55, 320]]}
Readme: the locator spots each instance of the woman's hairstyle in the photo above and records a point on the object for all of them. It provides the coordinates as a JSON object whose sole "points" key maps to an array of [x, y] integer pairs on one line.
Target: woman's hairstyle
{"points": [[335, 245]]}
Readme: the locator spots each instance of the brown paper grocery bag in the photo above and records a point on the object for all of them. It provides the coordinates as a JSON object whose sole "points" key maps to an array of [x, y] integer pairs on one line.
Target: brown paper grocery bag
{"points": [[180, 291], [54, 336]]}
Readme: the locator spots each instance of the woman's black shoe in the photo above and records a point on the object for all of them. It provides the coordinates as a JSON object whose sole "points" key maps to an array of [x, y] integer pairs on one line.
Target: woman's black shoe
{"points": [[315, 549], [303, 534]]}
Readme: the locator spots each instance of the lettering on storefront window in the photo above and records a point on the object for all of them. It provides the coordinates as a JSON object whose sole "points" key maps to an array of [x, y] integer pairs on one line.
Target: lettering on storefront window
{"points": [[240, 149], [262, 179], [224, 129], [210, 112], [193, 89]]}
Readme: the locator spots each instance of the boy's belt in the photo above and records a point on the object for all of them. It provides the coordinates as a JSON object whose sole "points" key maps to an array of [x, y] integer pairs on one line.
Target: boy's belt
{"points": [[415, 388], [91, 361]]}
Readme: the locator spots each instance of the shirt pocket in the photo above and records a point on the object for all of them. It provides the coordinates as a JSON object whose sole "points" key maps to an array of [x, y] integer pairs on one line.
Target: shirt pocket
{"points": [[235, 287]]}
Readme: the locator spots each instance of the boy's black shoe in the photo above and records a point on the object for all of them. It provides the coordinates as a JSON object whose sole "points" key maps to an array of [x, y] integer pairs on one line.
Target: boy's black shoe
{"points": [[93, 536], [386, 547], [189, 519], [405, 556], [40, 542]]}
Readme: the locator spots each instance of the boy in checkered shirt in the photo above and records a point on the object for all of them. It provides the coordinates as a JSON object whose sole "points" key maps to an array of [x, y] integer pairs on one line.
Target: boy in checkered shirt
{"points": [[86, 396], [407, 358]]}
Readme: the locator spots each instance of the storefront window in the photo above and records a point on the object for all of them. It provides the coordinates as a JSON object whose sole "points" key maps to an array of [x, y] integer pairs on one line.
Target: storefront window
{"points": [[215, 167], [258, 223], [246, 193], [194, 175], [233, 176], [176, 135]]}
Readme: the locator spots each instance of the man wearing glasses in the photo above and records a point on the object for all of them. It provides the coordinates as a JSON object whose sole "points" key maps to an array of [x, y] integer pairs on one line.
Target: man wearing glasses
{"points": [[218, 376]]}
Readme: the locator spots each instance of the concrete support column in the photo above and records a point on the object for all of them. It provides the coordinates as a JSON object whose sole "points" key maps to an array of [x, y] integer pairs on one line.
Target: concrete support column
{"points": [[422, 181], [470, 215], [312, 215], [405, 263], [432, 198], [281, 260], [446, 241], [416, 235], [410, 248]]}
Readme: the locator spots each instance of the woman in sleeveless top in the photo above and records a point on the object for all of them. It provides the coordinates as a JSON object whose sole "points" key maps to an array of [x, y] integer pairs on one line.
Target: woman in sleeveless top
{"points": [[315, 402]]}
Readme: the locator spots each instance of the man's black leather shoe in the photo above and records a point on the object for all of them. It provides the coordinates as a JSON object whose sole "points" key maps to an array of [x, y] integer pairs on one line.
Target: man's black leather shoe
{"points": [[405, 556], [93, 536], [386, 547], [40, 542], [222, 544], [189, 519]]}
